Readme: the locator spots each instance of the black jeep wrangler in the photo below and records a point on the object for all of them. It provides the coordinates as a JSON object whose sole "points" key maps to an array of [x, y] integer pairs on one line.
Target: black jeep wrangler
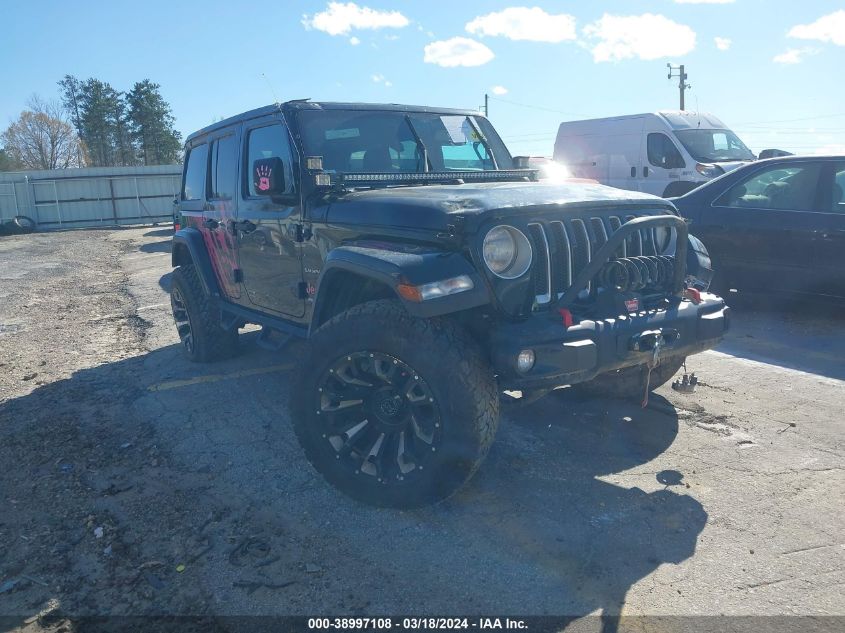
{"points": [[430, 274]]}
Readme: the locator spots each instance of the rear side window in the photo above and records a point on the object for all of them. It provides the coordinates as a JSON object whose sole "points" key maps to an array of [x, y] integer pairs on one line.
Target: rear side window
{"points": [[196, 163], [270, 141], [781, 187], [663, 153], [224, 168]]}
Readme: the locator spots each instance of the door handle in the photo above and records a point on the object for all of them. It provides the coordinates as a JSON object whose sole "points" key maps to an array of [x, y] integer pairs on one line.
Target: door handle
{"points": [[645, 172], [210, 223], [633, 172]]}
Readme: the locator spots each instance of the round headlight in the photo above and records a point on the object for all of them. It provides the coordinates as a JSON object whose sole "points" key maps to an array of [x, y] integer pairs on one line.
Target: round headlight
{"points": [[507, 252]]}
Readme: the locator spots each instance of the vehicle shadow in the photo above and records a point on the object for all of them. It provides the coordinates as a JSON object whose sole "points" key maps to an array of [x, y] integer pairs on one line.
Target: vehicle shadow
{"points": [[156, 247], [178, 461], [548, 509], [165, 280], [165, 232], [805, 335]]}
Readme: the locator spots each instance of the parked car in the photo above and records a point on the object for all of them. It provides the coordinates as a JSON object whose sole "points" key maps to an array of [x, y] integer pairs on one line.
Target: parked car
{"points": [[777, 225], [428, 276], [665, 153]]}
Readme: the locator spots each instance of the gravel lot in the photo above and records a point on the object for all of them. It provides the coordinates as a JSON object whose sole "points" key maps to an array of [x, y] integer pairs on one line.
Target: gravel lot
{"points": [[134, 482]]}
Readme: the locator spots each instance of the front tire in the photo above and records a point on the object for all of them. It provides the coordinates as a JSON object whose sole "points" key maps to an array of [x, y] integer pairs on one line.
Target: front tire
{"points": [[197, 321], [628, 383], [392, 410]]}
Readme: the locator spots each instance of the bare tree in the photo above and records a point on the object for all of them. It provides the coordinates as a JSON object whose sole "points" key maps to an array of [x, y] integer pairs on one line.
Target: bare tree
{"points": [[42, 138]]}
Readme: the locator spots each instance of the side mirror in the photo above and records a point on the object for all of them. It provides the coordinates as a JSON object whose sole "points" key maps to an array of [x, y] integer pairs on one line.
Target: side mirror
{"points": [[268, 177]]}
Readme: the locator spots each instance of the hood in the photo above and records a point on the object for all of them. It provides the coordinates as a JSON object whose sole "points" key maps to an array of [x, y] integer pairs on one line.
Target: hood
{"points": [[434, 206]]}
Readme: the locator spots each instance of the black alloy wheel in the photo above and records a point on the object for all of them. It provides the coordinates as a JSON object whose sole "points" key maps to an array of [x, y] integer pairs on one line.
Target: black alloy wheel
{"points": [[379, 416], [182, 320]]}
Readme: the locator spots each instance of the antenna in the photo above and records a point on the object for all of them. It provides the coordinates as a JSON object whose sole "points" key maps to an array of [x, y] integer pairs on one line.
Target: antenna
{"points": [[273, 92]]}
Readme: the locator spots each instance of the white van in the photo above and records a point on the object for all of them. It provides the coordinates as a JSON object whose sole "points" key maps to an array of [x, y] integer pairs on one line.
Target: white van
{"points": [[663, 153]]}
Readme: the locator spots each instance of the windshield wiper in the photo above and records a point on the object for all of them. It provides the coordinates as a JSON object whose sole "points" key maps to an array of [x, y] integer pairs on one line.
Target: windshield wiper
{"points": [[483, 142], [420, 145]]}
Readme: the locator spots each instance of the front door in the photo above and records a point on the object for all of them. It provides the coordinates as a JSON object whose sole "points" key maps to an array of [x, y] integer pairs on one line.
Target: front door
{"points": [[664, 164], [762, 230], [270, 255]]}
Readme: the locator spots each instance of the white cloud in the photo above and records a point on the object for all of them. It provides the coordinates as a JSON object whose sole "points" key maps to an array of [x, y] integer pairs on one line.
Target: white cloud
{"points": [[500, 90], [354, 41], [704, 1], [794, 55], [457, 51], [380, 79], [523, 23], [828, 28], [646, 36], [339, 18], [722, 43]]}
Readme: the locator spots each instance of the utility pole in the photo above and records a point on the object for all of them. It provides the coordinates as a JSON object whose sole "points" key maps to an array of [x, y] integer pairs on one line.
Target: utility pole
{"points": [[486, 108], [682, 80]]}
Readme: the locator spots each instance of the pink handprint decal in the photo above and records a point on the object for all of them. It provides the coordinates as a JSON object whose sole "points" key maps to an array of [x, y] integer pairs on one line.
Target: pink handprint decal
{"points": [[263, 172]]}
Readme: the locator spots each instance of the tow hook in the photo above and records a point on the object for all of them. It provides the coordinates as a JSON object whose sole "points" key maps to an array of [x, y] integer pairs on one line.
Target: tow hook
{"points": [[650, 339]]}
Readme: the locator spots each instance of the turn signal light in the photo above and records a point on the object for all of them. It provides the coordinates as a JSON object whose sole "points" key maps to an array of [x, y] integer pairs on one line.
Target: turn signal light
{"points": [[435, 289]]}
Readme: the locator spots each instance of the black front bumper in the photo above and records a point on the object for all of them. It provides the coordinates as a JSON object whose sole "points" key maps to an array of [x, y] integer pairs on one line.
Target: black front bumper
{"points": [[566, 356]]}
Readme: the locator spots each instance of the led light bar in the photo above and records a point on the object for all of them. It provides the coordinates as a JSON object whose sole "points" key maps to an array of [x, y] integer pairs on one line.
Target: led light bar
{"points": [[436, 176]]}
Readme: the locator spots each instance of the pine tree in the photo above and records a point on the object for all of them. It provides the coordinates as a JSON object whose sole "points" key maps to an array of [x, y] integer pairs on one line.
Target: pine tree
{"points": [[7, 163], [152, 124]]}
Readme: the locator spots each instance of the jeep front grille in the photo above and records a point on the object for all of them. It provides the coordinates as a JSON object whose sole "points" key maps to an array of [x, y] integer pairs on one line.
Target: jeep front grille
{"points": [[563, 248]]}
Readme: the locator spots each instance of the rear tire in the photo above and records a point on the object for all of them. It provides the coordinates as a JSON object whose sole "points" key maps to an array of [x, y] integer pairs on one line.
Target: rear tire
{"points": [[197, 321], [393, 410], [628, 383], [24, 223]]}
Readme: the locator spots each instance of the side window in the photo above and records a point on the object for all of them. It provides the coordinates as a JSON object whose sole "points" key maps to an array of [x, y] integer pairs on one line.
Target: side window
{"points": [[663, 153], [224, 168], [195, 167], [838, 199], [270, 141], [781, 187]]}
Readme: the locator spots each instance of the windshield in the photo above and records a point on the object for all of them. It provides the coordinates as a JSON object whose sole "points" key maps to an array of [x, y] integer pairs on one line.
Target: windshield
{"points": [[713, 146], [388, 141]]}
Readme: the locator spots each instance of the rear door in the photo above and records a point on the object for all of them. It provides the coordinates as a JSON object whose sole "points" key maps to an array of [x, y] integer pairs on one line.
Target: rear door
{"points": [[829, 249], [221, 209], [762, 231], [267, 230]]}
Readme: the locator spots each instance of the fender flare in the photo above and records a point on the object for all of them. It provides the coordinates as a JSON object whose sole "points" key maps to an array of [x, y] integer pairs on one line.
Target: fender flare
{"points": [[189, 248], [390, 268]]}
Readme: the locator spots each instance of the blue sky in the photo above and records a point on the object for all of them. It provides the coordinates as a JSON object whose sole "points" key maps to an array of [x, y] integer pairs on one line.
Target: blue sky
{"points": [[775, 74]]}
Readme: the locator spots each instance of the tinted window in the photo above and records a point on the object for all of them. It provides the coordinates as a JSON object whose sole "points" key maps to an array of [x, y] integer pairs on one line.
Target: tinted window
{"points": [[196, 164], [269, 142], [663, 153], [783, 187], [224, 168], [838, 199]]}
